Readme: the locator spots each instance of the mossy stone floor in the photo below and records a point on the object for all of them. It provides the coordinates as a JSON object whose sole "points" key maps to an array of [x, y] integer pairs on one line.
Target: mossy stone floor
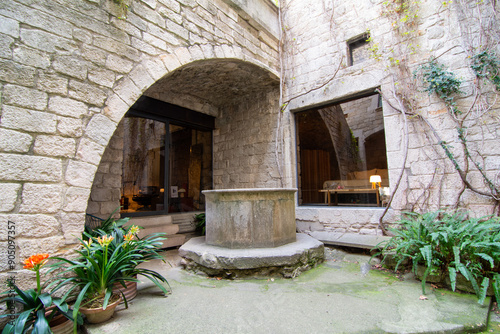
{"points": [[340, 296]]}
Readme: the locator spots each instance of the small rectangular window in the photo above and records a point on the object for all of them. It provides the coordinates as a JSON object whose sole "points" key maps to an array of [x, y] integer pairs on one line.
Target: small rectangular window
{"points": [[358, 48]]}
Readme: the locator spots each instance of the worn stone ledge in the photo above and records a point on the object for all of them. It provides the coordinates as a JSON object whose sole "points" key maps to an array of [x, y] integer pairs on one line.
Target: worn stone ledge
{"points": [[288, 260]]}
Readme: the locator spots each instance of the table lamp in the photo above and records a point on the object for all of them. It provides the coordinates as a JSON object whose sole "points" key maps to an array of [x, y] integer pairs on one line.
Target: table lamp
{"points": [[374, 179]]}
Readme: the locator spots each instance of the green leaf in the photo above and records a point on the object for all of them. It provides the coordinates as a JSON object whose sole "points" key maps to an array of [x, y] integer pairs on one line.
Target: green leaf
{"points": [[453, 277], [41, 325], [484, 289]]}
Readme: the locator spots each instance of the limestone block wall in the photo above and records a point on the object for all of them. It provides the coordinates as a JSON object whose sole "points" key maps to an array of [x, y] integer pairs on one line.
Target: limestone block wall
{"points": [[69, 71], [106, 189], [245, 144], [317, 35]]}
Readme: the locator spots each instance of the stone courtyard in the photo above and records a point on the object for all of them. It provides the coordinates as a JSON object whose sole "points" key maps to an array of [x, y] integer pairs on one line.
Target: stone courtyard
{"points": [[138, 108]]}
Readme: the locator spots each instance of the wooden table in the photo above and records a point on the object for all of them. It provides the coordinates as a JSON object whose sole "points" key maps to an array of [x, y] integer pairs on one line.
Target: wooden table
{"points": [[348, 191]]}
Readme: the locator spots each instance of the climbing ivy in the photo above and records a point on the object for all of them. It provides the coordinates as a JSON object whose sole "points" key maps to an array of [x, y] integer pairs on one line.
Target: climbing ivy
{"points": [[442, 82], [486, 65]]}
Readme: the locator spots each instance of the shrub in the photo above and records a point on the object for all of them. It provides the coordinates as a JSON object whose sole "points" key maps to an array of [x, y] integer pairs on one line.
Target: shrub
{"points": [[451, 243]]}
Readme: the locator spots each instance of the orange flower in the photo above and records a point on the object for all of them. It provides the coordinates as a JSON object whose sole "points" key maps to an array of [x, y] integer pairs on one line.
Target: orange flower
{"points": [[105, 240], [129, 236], [35, 262], [133, 229]]}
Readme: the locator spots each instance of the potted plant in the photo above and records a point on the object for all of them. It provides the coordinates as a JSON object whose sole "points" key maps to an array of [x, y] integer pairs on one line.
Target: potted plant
{"points": [[92, 275], [126, 240], [39, 309]]}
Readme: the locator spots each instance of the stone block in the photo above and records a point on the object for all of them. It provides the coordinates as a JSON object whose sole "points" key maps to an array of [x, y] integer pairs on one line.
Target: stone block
{"points": [[52, 245], [140, 76], [29, 168], [8, 197], [118, 64], [6, 43], [169, 14], [29, 226], [183, 55], [89, 151], [114, 181], [41, 198], [9, 27], [70, 127], [146, 48], [76, 199], [148, 14], [25, 97], [172, 5], [80, 174], [178, 30], [101, 195], [171, 61], [14, 141], [102, 77], [67, 107], [47, 42], [31, 57], [55, 146], [87, 93], [114, 46], [28, 120], [128, 91], [115, 108], [155, 67], [52, 83], [17, 74], [100, 129]]}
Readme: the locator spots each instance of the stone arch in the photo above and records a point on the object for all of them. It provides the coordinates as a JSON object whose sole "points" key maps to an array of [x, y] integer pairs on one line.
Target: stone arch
{"points": [[151, 72]]}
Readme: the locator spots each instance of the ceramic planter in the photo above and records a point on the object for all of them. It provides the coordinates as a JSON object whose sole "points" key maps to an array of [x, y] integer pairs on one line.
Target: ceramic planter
{"points": [[98, 315], [130, 291], [61, 325]]}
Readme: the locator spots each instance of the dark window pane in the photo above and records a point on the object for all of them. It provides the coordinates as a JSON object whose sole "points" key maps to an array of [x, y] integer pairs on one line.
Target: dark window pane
{"points": [[143, 178]]}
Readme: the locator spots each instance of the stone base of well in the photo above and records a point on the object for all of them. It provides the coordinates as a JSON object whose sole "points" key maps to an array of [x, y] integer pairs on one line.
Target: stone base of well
{"points": [[286, 261]]}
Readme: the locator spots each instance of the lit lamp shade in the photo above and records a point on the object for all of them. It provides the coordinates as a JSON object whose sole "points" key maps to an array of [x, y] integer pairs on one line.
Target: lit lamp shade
{"points": [[374, 179]]}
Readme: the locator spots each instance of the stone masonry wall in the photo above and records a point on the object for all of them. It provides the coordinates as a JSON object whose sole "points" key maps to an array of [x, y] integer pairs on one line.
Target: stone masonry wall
{"points": [[244, 144], [106, 189], [69, 71], [316, 47]]}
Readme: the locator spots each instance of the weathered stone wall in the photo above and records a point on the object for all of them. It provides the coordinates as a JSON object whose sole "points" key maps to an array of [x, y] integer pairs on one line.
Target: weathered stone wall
{"points": [[69, 71], [106, 189], [244, 144], [316, 46]]}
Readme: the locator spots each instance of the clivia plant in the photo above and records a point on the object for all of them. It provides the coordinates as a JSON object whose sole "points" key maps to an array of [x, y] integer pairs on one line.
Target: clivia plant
{"points": [[38, 307]]}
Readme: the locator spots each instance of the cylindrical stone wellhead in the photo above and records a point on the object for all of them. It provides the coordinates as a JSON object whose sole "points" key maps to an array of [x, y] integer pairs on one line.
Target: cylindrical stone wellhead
{"points": [[250, 218]]}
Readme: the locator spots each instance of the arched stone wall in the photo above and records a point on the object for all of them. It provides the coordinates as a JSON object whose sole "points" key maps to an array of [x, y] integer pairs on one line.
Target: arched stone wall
{"points": [[69, 71]]}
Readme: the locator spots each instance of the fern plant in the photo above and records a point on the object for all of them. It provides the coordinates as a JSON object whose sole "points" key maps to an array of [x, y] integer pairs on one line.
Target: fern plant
{"points": [[451, 244]]}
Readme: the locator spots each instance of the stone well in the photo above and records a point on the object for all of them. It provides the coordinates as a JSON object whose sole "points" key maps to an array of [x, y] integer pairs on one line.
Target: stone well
{"points": [[251, 232]]}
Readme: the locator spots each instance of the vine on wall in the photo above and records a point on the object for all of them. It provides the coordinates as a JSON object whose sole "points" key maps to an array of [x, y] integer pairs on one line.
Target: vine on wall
{"points": [[471, 113]]}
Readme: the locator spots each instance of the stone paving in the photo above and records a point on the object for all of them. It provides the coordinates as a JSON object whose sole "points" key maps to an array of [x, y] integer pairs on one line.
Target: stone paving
{"points": [[343, 295]]}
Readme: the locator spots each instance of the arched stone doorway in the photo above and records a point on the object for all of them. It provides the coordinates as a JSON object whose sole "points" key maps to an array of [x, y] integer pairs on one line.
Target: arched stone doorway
{"points": [[239, 97]]}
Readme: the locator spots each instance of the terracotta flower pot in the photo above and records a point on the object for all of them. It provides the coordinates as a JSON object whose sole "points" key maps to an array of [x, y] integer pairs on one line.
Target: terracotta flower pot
{"points": [[98, 315], [61, 325], [130, 291]]}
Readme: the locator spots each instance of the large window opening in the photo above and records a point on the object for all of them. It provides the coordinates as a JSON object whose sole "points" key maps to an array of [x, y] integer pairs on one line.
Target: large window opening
{"points": [[342, 154], [166, 162]]}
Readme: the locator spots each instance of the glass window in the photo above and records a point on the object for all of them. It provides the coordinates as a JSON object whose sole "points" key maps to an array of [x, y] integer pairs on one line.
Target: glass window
{"points": [[165, 166], [342, 153]]}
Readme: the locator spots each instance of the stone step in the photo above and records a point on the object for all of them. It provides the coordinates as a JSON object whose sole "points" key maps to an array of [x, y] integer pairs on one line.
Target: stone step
{"points": [[355, 240]]}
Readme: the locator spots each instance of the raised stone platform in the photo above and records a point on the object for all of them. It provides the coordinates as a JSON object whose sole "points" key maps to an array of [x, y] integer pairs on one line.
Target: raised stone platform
{"points": [[287, 260], [349, 239]]}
